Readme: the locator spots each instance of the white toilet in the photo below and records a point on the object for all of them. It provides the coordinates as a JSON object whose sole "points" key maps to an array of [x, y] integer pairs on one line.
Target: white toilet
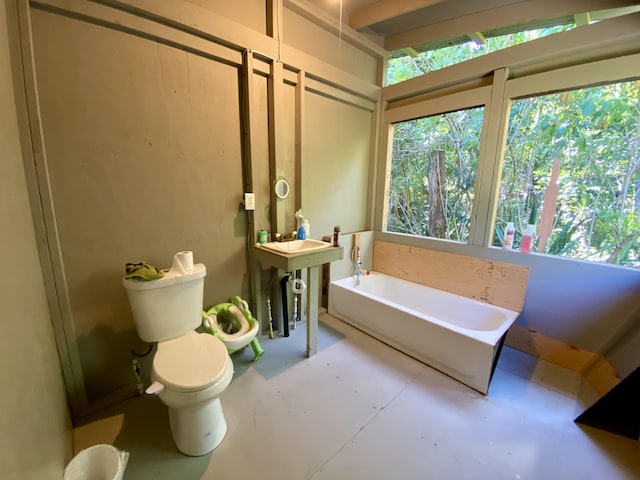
{"points": [[190, 370]]}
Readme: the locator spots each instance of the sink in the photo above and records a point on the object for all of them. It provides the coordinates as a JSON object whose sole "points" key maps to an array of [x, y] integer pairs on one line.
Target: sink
{"points": [[296, 246]]}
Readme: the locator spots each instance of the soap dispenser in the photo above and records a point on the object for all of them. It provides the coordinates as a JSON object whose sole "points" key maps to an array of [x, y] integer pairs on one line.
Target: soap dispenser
{"points": [[303, 226]]}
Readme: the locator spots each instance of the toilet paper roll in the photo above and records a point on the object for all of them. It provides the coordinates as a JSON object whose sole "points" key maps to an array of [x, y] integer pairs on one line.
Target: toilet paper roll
{"points": [[183, 262]]}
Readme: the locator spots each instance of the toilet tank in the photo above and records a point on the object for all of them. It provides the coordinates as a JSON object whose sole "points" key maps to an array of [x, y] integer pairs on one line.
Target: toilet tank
{"points": [[168, 307]]}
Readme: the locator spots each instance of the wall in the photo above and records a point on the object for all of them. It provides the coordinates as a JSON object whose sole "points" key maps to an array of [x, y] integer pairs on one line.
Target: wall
{"points": [[625, 345], [150, 145], [150, 136], [35, 429], [336, 160], [325, 46], [248, 12]]}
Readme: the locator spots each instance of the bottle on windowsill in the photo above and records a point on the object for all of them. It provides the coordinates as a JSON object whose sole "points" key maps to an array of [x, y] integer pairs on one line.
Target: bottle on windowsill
{"points": [[527, 239], [509, 232]]}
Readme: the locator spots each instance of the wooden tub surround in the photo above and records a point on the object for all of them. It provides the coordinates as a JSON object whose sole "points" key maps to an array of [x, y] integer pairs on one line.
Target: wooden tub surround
{"points": [[496, 283]]}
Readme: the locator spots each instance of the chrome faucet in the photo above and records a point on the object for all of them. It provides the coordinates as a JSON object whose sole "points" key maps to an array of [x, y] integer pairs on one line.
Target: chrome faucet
{"points": [[357, 264]]}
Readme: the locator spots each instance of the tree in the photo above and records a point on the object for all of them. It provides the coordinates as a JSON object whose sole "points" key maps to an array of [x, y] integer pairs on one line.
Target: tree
{"points": [[596, 133], [433, 173]]}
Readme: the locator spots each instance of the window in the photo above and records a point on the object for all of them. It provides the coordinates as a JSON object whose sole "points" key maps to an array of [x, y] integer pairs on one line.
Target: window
{"points": [[592, 135], [433, 171], [402, 66]]}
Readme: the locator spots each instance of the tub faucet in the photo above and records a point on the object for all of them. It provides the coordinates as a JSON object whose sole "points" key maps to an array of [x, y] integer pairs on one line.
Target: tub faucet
{"points": [[358, 272], [357, 263]]}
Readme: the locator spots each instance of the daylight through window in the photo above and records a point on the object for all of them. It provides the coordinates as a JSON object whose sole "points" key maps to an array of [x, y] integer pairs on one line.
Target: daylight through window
{"points": [[433, 173], [589, 208]]}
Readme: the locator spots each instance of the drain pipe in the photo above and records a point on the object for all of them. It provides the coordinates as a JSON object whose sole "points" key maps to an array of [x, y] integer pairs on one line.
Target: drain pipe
{"points": [[285, 306]]}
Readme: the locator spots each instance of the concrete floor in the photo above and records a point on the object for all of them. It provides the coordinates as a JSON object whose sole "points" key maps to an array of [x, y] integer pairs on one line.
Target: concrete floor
{"points": [[362, 410]]}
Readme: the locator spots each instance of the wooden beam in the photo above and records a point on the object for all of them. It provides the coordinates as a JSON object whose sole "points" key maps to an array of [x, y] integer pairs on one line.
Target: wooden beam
{"points": [[551, 349], [582, 18], [191, 18], [384, 10], [275, 95], [477, 37], [597, 370], [615, 37], [512, 14], [300, 110], [412, 52]]}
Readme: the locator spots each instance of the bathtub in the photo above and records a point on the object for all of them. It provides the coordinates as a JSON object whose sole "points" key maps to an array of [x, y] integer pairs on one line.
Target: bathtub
{"points": [[459, 336]]}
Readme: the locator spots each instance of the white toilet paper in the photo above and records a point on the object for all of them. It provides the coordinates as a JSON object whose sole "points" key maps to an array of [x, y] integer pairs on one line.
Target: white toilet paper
{"points": [[183, 262]]}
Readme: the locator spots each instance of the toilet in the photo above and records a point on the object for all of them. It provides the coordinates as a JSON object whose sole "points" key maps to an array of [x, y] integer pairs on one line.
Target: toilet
{"points": [[190, 370]]}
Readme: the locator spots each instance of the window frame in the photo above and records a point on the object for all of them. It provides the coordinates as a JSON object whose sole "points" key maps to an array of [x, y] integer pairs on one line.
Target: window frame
{"points": [[478, 97], [496, 98]]}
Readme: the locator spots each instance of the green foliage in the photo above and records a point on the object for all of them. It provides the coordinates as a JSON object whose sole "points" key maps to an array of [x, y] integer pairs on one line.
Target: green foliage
{"points": [[457, 134], [405, 67], [595, 132]]}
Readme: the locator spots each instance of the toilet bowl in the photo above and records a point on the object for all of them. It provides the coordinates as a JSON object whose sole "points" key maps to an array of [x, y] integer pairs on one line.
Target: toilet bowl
{"points": [[194, 370], [190, 370]]}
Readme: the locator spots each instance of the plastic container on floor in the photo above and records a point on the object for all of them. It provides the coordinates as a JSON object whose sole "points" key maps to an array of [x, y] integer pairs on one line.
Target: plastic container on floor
{"points": [[100, 462]]}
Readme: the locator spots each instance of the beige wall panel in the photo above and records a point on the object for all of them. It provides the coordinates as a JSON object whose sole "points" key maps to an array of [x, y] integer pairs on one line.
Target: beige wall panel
{"points": [[34, 406], [313, 40], [260, 152], [251, 13], [143, 149], [288, 163], [335, 165]]}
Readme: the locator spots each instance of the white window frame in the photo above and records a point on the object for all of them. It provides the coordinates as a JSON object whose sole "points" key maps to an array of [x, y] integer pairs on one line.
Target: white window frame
{"points": [[496, 99], [479, 97]]}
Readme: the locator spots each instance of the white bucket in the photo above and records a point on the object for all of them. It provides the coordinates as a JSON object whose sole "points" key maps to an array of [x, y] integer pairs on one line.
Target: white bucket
{"points": [[100, 462]]}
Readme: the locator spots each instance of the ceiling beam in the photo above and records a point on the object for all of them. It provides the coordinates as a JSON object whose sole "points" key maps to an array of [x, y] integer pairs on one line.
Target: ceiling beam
{"points": [[477, 37], [384, 10], [513, 14], [582, 18]]}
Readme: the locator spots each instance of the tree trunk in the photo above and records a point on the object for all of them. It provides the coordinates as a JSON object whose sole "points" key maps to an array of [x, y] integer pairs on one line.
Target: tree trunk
{"points": [[437, 222]]}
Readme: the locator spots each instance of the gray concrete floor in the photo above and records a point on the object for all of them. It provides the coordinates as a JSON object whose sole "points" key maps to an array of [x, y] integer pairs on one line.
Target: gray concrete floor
{"points": [[362, 410]]}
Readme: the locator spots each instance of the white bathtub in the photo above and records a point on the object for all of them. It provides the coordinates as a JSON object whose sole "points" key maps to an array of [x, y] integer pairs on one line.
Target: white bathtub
{"points": [[459, 336]]}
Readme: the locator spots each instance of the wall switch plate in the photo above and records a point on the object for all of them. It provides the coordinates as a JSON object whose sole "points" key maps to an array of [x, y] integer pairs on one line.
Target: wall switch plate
{"points": [[249, 201]]}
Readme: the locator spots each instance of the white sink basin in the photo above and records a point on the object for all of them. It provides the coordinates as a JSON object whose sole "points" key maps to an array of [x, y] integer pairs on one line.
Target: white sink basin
{"points": [[296, 246]]}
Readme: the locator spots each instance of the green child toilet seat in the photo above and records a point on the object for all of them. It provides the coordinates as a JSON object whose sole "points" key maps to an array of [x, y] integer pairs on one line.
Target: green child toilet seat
{"points": [[233, 323]]}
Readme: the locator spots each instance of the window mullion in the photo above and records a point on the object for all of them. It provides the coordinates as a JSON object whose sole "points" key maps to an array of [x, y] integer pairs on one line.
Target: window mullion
{"points": [[490, 162]]}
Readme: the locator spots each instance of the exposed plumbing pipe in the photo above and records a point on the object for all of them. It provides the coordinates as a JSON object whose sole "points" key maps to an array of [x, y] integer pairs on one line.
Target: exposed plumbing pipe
{"points": [[285, 307]]}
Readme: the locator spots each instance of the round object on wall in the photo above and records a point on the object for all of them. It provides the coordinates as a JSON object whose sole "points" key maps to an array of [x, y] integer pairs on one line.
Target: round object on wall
{"points": [[281, 188]]}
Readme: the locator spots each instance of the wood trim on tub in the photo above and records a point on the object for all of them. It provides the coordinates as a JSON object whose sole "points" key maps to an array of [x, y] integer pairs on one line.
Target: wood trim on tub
{"points": [[594, 367], [499, 284], [496, 283]]}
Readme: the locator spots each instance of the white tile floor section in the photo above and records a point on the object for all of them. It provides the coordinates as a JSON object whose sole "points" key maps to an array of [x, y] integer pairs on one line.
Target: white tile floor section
{"points": [[362, 410]]}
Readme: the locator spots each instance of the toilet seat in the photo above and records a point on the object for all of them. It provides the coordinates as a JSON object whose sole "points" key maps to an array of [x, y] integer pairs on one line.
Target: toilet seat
{"points": [[228, 321], [191, 362]]}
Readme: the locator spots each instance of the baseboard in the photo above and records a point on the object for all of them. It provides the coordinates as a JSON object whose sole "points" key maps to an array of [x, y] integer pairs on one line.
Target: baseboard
{"points": [[594, 367]]}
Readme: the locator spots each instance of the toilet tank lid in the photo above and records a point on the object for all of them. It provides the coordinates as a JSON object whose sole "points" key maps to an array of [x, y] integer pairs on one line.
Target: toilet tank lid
{"points": [[171, 277]]}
